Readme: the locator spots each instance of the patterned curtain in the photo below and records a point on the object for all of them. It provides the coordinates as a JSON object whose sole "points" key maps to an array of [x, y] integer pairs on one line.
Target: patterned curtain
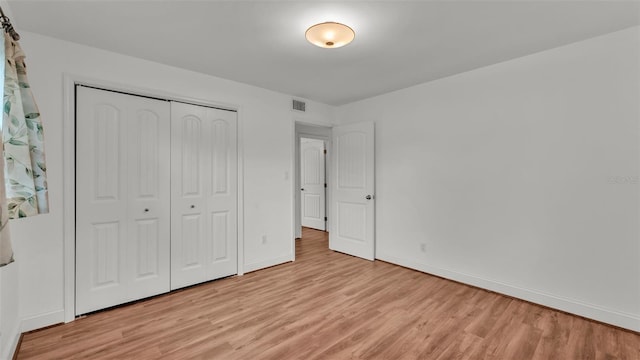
{"points": [[25, 167], [25, 180], [6, 252]]}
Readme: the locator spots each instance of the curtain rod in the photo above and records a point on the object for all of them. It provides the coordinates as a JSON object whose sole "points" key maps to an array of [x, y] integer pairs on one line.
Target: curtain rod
{"points": [[6, 25]]}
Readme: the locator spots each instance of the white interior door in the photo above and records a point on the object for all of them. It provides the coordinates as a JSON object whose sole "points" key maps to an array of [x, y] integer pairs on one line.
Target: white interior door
{"points": [[312, 183], [353, 190], [203, 194], [122, 198]]}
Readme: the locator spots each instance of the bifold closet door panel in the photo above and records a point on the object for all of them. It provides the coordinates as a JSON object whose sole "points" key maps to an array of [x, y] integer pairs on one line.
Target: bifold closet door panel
{"points": [[122, 198], [203, 194]]}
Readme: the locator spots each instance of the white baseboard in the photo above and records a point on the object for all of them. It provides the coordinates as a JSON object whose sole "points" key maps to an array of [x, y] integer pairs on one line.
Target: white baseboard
{"points": [[12, 344], [42, 320], [591, 311], [267, 263]]}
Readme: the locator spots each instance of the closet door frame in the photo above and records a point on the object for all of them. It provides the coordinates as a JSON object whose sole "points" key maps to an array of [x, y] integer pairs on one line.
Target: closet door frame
{"points": [[69, 171]]}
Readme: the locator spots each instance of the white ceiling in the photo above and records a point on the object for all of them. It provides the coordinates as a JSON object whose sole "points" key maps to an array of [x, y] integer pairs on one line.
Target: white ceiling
{"points": [[397, 44]]}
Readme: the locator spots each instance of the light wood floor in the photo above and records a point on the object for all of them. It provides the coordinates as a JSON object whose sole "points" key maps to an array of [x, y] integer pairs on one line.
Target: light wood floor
{"points": [[328, 305]]}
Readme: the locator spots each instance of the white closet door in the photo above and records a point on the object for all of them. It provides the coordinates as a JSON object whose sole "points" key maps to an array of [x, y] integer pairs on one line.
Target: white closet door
{"points": [[312, 182], [203, 194], [122, 198]]}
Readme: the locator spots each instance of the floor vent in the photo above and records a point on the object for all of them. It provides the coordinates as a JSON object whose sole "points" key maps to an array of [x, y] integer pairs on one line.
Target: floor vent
{"points": [[299, 105]]}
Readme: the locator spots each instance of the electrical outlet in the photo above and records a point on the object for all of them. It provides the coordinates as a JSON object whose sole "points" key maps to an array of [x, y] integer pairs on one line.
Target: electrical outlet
{"points": [[264, 239], [423, 247]]}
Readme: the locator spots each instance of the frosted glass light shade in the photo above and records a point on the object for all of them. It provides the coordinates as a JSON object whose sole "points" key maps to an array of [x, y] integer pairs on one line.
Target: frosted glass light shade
{"points": [[330, 35]]}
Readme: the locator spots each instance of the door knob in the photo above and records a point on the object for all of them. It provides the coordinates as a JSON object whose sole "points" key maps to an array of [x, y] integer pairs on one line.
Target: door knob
{"points": [[193, 206], [368, 197], [302, 189], [146, 210]]}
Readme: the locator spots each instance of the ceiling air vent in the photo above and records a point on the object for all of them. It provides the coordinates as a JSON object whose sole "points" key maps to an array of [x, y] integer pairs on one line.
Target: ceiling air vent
{"points": [[299, 105]]}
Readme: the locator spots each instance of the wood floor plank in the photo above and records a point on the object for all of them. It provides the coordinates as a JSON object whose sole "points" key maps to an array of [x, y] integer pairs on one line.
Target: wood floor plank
{"points": [[328, 305]]}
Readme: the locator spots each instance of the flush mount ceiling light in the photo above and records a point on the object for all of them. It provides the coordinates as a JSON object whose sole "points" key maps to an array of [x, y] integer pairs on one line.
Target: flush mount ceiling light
{"points": [[330, 35]]}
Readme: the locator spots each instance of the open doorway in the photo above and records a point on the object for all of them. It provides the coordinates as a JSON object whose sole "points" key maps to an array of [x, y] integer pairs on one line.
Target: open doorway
{"points": [[312, 174], [350, 179]]}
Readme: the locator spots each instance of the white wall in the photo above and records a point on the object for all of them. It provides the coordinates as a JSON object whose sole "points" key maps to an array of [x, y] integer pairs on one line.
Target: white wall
{"points": [[9, 320], [267, 133], [520, 177]]}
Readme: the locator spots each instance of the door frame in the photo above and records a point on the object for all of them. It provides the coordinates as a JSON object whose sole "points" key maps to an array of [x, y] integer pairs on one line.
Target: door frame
{"points": [[69, 170], [298, 134]]}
